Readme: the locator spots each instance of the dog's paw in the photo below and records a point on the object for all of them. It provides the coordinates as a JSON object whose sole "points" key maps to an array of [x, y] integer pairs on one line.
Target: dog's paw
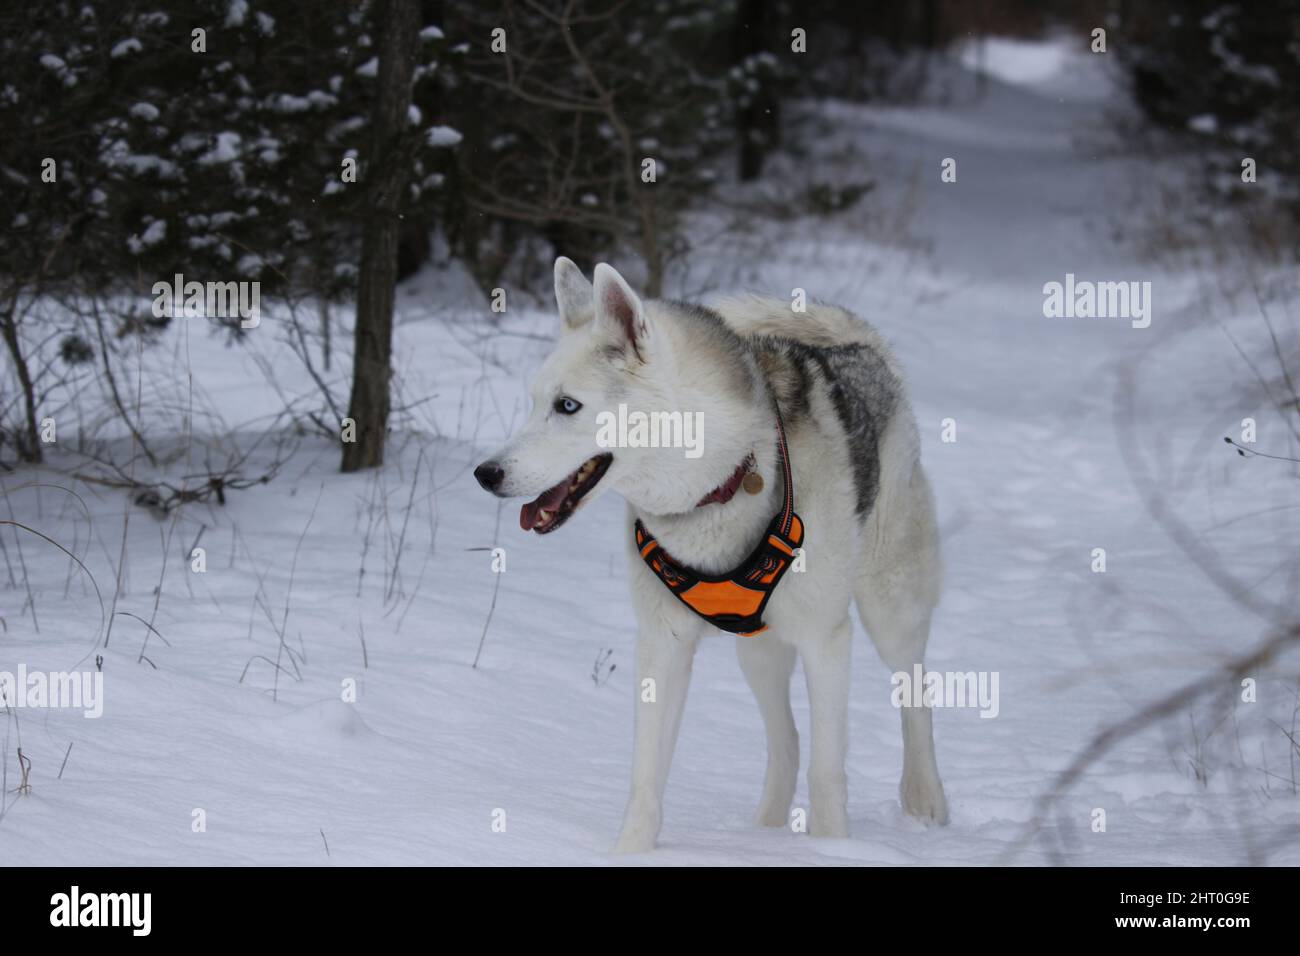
{"points": [[832, 824], [829, 817], [771, 817], [640, 830], [922, 798], [774, 808], [634, 842]]}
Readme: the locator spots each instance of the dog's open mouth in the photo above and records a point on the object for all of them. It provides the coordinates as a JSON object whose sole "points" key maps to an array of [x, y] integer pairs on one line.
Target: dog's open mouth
{"points": [[552, 507]]}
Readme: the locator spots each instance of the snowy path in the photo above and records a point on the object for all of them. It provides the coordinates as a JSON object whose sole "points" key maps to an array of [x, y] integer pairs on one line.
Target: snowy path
{"points": [[415, 769]]}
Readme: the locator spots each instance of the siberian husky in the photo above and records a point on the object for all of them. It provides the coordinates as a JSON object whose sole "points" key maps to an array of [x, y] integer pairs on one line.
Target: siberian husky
{"points": [[850, 439]]}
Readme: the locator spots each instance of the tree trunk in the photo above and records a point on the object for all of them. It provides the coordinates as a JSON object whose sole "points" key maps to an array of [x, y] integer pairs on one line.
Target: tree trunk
{"points": [[326, 331], [386, 181], [756, 122], [29, 446]]}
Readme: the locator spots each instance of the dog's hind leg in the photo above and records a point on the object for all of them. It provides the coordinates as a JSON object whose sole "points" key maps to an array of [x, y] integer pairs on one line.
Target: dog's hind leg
{"points": [[896, 592], [901, 643], [768, 664], [663, 673], [826, 664]]}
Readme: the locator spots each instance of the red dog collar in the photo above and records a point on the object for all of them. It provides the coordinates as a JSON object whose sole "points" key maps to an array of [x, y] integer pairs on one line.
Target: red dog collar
{"points": [[727, 490]]}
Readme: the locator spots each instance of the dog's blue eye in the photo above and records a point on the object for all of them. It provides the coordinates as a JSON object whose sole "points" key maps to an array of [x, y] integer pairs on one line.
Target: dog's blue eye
{"points": [[567, 406]]}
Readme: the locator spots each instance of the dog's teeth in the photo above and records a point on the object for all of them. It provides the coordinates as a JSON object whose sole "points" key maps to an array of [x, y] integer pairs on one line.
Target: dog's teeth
{"points": [[581, 475]]}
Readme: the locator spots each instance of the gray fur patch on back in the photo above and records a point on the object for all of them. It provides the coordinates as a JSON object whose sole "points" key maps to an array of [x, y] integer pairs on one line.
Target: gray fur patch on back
{"points": [[857, 377], [860, 385]]}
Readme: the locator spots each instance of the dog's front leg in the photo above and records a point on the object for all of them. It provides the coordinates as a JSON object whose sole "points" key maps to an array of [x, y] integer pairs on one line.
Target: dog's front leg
{"points": [[663, 672], [826, 665]]}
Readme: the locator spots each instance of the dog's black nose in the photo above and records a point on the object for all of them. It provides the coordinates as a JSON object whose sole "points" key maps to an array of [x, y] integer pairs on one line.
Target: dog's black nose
{"points": [[489, 475]]}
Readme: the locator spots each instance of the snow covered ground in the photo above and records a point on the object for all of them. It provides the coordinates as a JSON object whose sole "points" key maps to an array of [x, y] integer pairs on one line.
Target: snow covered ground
{"points": [[433, 750]]}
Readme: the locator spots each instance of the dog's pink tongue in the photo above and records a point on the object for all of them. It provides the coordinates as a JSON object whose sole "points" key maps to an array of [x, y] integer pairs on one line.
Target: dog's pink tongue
{"points": [[548, 501]]}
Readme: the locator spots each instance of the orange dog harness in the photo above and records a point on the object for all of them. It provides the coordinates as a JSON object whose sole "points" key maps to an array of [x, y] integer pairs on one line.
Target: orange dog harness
{"points": [[734, 602]]}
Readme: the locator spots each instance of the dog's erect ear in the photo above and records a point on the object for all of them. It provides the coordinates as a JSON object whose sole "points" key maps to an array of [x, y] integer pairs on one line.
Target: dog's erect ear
{"points": [[573, 294], [620, 314]]}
